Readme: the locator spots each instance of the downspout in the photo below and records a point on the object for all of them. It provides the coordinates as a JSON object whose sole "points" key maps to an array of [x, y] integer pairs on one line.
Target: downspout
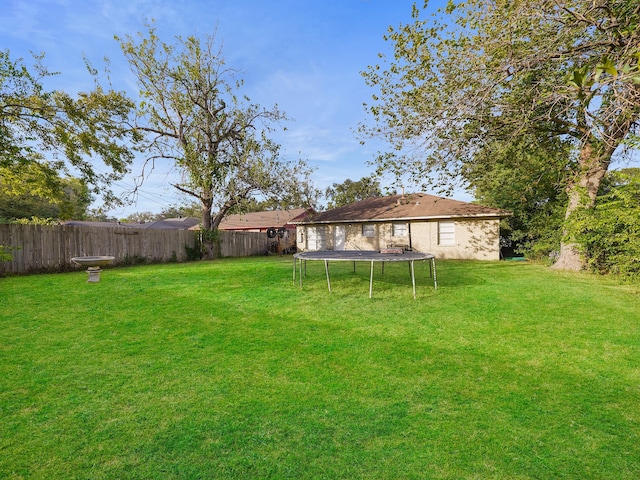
{"points": [[409, 226]]}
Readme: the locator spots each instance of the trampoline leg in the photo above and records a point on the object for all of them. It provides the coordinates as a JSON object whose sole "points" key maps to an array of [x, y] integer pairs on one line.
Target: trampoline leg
{"points": [[301, 272], [294, 270], [435, 281], [326, 267], [413, 280], [371, 281]]}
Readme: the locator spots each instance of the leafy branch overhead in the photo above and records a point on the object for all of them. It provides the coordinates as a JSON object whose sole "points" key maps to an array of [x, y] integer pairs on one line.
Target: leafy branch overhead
{"points": [[45, 135], [485, 71]]}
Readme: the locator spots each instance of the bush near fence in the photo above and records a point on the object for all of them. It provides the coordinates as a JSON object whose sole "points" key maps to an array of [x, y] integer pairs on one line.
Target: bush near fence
{"points": [[49, 248]]}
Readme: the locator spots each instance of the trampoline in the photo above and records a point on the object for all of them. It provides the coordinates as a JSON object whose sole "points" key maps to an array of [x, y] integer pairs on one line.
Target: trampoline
{"points": [[371, 256]]}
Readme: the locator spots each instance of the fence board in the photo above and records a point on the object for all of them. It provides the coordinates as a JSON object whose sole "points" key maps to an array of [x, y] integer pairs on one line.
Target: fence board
{"points": [[50, 247], [38, 248]]}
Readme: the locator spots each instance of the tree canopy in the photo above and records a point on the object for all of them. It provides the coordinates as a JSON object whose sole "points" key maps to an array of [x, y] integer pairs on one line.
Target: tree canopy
{"points": [[194, 117], [48, 135], [347, 192], [528, 179], [485, 71], [71, 203]]}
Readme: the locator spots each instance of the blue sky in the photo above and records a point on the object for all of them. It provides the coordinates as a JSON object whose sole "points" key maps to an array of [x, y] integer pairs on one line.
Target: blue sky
{"points": [[304, 55]]}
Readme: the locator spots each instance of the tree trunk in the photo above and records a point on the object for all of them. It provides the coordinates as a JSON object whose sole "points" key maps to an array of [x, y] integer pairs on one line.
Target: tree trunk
{"points": [[582, 193], [207, 242]]}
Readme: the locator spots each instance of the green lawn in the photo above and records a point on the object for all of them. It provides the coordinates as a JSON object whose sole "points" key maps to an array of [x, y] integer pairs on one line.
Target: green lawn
{"points": [[226, 369]]}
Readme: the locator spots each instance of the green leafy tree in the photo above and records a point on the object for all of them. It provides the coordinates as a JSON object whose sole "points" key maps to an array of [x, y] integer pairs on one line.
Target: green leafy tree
{"points": [[304, 195], [528, 178], [141, 217], [47, 135], [99, 215], [609, 233], [194, 118], [173, 211], [347, 192], [494, 70], [75, 201], [71, 200], [178, 211]]}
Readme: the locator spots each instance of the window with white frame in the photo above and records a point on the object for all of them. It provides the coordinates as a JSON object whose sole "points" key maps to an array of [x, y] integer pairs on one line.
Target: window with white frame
{"points": [[446, 234], [368, 230], [399, 229]]}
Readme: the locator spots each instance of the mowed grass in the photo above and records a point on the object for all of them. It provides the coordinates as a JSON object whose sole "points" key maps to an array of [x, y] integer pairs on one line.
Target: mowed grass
{"points": [[226, 369]]}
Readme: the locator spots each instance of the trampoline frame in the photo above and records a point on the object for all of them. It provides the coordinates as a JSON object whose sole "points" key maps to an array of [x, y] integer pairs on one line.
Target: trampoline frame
{"points": [[371, 256]]}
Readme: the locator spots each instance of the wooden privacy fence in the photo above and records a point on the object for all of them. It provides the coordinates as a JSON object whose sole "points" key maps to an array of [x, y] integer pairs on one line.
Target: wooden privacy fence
{"points": [[235, 243], [42, 248], [51, 247]]}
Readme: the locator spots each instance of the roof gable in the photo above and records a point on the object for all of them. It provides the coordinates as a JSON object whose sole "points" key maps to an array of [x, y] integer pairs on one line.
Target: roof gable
{"points": [[405, 207]]}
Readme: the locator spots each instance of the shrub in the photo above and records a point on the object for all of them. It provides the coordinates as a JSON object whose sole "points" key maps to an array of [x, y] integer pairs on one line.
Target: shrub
{"points": [[5, 253], [195, 252], [609, 233]]}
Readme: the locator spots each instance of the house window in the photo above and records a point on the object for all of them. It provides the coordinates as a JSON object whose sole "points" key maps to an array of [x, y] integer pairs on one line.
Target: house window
{"points": [[446, 234], [368, 230], [399, 230]]}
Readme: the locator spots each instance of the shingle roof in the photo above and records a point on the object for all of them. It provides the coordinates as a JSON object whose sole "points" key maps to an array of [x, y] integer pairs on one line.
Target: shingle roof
{"points": [[182, 223], [263, 220], [405, 207], [88, 223], [166, 223]]}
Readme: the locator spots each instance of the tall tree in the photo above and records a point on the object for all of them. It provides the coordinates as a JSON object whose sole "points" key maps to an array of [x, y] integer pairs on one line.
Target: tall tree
{"points": [[140, 217], [505, 69], [176, 211], [71, 203], [47, 135], [193, 116], [527, 177], [347, 192]]}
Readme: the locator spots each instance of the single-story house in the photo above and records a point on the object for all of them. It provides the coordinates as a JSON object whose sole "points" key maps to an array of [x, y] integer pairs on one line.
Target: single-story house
{"points": [[450, 229], [264, 221], [277, 225]]}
